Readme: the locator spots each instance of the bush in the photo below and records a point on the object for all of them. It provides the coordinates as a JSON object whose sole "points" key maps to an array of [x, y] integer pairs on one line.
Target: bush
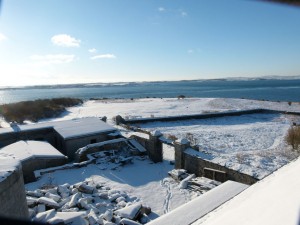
{"points": [[36, 110], [181, 97], [293, 137]]}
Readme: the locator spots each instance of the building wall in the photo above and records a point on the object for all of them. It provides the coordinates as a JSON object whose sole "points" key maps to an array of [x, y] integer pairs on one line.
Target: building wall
{"points": [[72, 145], [13, 197], [32, 164], [106, 145], [45, 134]]}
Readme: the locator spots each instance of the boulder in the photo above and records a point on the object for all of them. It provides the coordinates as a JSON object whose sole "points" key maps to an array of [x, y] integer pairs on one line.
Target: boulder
{"points": [[86, 189], [130, 212], [48, 202], [126, 221], [55, 197]]}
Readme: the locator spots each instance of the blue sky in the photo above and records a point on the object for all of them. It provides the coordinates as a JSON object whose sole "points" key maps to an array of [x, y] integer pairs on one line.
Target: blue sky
{"points": [[64, 41]]}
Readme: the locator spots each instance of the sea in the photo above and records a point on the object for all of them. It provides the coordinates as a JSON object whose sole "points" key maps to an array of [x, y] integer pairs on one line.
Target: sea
{"points": [[260, 89]]}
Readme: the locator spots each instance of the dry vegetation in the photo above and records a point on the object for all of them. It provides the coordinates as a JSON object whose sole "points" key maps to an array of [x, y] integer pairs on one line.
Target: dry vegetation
{"points": [[293, 137], [36, 110]]}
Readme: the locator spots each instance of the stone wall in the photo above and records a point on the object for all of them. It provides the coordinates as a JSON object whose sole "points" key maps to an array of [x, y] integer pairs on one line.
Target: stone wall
{"points": [[12, 196]]}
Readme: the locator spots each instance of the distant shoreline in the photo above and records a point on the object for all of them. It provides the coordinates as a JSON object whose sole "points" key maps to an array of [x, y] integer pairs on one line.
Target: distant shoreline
{"points": [[261, 89], [95, 84]]}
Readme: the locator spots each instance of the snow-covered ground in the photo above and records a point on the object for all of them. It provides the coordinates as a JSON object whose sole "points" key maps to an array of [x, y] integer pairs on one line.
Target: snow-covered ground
{"points": [[253, 144], [143, 180], [156, 107]]}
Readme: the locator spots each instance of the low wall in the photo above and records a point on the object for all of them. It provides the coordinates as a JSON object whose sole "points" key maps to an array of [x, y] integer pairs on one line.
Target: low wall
{"points": [[197, 165], [202, 116], [35, 163], [13, 197]]}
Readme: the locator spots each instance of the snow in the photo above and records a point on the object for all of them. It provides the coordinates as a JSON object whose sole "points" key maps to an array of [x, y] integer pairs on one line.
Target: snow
{"points": [[273, 200], [7, 166], [67, 128], [200, 206], [23, 150], [252, 144], [147, 181], [137, 145], [84, 149], [156, 107], [129, 212]]}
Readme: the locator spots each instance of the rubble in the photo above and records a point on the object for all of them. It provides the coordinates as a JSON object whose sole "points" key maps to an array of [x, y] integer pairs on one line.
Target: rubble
{"points": [[91, 204]]}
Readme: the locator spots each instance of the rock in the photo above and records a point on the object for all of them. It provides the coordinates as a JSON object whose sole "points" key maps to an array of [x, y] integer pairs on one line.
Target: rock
{"points": [[31, 202], [74, 191], [114, 197], [121, 199], [184, 183], [126, 221], [50, 190], [92, 218], [75, 209], [86, 189], [144, 219], [48, 202], [41, 208], [121, 204], [56, 221], [55, 197], [44, 216], [146, 210], [130, 212], [108, 215], [63, 202], [31, 213], [63, 191], [74, 200], [80, 221], [37, 193], [82, 203], [103, 195]]}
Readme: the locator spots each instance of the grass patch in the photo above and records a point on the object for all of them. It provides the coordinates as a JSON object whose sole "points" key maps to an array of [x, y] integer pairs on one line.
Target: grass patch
{"points": [[36, 110]]}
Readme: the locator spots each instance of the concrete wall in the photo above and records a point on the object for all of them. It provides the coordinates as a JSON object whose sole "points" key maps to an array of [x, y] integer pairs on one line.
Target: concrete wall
{"points": [[32, 164], [72, 145], [153, 146], [202, 167], [115, 144], [44, 134], [13, 197], [197, 116]]}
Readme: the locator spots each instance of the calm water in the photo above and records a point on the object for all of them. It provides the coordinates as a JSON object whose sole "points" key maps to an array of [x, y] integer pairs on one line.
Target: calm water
{"points": [[283, 90]]}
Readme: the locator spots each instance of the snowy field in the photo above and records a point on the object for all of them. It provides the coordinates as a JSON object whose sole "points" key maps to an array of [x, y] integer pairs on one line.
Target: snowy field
{"points": [[144, 181], [253, 144]]}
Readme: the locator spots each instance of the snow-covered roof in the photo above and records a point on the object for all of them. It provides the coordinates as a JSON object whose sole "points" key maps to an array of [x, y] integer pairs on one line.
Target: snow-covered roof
{"points": [[274, 200], [195, 209], [67, 128], [23, 150]]}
